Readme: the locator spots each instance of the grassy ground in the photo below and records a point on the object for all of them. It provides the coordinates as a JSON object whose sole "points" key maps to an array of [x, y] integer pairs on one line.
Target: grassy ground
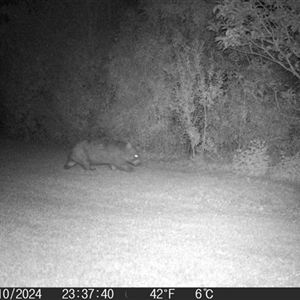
{"points": [[166, 224]]}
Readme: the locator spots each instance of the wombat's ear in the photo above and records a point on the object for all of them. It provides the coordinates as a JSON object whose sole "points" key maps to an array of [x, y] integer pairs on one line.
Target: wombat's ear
{"points": [[128, 146]]}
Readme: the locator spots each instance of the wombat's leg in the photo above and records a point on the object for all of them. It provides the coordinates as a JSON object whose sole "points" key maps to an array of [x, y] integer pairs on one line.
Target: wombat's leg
{"points": [[86, 165], [113, 167], [126, 168]]}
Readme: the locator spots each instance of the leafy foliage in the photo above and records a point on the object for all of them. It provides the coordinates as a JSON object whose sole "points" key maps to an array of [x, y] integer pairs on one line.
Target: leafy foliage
{"points": [[195, 87], [269, 29], [253, 160], [267, 33], [153, 69], [150, 75], [287, 169]]}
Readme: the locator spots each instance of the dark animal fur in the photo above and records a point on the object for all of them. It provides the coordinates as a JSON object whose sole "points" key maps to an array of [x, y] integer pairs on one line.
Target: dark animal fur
{"points": [[117, 155]]}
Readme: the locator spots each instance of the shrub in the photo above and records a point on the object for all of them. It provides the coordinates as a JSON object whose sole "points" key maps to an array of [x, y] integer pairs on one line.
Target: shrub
{"points": [[253, 161], [287, 169]]}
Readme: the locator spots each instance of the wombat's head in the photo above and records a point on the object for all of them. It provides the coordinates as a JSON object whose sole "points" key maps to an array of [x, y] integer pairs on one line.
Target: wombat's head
{"points": [[131, 155]]}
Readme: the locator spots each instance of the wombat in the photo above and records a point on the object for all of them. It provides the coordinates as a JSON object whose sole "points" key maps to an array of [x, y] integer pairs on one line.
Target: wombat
{"points": [[117, 155]]}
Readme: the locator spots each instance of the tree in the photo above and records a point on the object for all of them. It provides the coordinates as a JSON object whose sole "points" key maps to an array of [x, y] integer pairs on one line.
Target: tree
{"points": [[266, 28]]}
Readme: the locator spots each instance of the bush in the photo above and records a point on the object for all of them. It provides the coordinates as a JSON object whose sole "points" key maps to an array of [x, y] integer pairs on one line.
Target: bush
{"points": [[287, 169], [253, 161]]}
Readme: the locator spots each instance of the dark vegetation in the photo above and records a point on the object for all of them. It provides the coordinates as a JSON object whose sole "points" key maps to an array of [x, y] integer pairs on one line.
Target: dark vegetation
{"points": [[173, 77]]}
